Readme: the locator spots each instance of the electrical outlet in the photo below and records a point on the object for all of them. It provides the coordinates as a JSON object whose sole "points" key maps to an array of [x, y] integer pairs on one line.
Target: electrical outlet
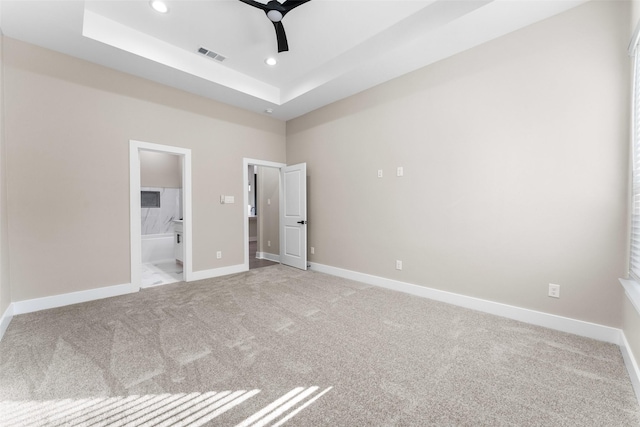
{"points": [[379, 173], [398, 265], [554, 290], [219, 254], [269, 243], [313, 250]]}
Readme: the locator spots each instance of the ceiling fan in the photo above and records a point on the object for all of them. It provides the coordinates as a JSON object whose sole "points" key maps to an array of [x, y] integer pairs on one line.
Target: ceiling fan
{"points": [[275, 12]]}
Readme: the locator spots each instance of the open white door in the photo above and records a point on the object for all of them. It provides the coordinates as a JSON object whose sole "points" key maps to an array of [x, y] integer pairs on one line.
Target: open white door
{"points": [[293, 216]]}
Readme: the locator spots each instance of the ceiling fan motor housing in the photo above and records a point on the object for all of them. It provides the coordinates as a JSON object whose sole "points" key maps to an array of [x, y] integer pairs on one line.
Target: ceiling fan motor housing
{"points": [[275, 12]]}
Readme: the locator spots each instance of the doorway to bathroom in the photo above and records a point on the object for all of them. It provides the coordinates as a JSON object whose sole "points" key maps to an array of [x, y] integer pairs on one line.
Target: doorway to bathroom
{"points": [[160, 214]]}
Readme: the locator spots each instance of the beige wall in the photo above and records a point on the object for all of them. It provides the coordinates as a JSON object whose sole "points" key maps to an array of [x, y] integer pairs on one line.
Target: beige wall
{"points": [[160, 170], [635, 13], [67, 128], [518, 152], [269, 214], [5, 287]]}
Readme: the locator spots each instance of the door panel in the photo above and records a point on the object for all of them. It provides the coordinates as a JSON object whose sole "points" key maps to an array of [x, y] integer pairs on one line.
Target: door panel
{"points": [[293, 234]]}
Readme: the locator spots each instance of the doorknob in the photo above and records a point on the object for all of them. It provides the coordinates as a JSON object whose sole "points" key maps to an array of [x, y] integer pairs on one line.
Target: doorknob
{"points": [[302, 222]]}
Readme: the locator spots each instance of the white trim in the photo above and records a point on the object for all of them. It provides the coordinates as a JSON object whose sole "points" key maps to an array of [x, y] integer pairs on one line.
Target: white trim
{"points": [[134, 203], [268, 256], [631, 364], [217, 272], [135, 226], [632, 290], [245, 198], [5, 320], [551, 321], [45, 303], [635, 39], [155, 285], [253, 239]]}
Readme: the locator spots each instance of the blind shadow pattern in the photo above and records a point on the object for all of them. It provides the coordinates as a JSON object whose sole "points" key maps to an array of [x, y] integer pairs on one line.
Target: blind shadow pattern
{"points": [[193, 409]]}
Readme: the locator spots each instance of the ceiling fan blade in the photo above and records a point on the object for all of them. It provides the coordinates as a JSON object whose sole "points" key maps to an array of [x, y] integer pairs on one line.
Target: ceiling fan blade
{"points": [[283, 46], [256, 4], [290, 4]]}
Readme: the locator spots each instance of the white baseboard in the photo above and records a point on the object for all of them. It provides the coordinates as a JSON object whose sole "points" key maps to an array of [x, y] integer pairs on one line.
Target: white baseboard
{"points": [[268, 256], [564, 324], [631, 364], [217, 272], [37, 304], [5, 320], [551, 321]]}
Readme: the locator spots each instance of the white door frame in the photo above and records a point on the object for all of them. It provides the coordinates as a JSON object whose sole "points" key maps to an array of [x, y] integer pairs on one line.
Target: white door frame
{"points": [[245, 181], [136, 211]]}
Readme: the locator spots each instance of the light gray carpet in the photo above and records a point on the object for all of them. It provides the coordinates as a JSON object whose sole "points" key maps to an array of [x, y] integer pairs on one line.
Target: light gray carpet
{"points": [[277, 345]]}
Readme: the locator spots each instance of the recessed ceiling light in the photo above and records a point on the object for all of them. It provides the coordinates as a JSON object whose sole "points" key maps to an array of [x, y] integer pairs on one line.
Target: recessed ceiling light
{"points": [[268, 111], [271, 61], [159, 6]]}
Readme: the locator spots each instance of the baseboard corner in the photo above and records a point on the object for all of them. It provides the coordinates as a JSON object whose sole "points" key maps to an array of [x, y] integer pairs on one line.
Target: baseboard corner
{"points": [[217, 272], [5, 320], [268, 256], [631, 364]]}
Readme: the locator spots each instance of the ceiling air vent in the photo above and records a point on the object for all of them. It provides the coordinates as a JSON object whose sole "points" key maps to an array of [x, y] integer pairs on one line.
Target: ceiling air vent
{"points": [[211, 54]]}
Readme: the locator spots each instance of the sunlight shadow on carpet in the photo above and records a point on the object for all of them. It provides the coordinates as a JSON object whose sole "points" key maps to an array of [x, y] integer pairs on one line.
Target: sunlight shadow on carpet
{"points": [[193, 409]]}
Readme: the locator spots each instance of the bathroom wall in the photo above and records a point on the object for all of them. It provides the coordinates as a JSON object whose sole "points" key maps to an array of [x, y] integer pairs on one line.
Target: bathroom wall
{"points": [[161, 172], [159, 220]]}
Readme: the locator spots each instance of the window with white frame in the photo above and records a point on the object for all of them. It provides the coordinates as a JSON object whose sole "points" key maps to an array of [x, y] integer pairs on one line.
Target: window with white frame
{"points": [[631, 285], [634, 262]]}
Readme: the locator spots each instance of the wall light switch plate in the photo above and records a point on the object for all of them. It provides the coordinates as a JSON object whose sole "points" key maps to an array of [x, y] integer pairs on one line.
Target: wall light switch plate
{"points": [[400, 171], [229, 199], [379, 173], [554, 290], [313, 250], [398, 265]]}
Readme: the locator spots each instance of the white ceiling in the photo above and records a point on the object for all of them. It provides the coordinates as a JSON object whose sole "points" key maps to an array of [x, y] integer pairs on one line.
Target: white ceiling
{"points": [[336, 47]]}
